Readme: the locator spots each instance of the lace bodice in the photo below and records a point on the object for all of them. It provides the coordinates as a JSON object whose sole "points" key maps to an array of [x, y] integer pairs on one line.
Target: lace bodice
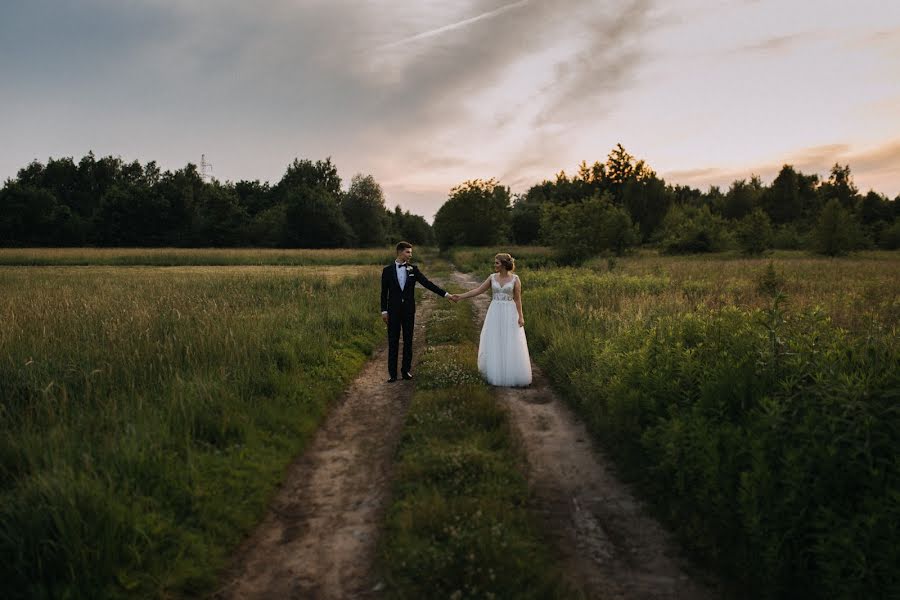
{"points": [[502, 293]]}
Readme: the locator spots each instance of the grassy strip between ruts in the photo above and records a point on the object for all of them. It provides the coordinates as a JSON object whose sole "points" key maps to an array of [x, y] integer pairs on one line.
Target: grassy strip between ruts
{"points": [[459, 526]]}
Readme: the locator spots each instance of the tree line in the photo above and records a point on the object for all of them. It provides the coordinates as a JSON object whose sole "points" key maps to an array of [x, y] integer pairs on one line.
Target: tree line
{"points": [[110, 202], [621, 203], [606, 207]]}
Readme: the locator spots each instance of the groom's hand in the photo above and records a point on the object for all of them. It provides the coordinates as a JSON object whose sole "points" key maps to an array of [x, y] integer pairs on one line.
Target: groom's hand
{"points": [[384, 317]]}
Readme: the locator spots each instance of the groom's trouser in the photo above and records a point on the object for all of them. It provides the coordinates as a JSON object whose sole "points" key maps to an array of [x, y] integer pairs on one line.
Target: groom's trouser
{"points": [[397, 321]]}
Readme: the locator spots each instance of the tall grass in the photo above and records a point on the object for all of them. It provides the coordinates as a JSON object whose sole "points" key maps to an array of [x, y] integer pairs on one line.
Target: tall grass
{"points": [[146, 415], [481, 260], [756, 407]]}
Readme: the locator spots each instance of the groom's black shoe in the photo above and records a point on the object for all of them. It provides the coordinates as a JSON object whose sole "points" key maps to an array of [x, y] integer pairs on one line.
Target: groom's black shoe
{"points": [[392, 380], [407, 376]]}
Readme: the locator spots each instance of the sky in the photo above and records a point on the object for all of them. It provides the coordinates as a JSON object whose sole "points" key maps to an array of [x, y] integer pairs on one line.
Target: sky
{"points": [[426, 94]]}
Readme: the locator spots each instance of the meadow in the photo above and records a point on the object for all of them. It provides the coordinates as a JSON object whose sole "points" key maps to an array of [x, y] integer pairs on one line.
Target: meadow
{"points": [[754, 402], [147, 413], [166, 257], [150, 401]]}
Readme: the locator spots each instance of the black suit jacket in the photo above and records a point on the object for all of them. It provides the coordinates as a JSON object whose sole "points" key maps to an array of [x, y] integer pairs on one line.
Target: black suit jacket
{"points": [[394, 299]]}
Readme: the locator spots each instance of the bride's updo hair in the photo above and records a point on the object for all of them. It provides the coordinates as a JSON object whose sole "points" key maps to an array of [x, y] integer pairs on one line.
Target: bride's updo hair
{"points": [[508, 262]]}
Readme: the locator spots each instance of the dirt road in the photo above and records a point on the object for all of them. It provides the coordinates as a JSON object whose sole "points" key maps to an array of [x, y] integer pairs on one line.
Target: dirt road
{"points": [[318, 539]]}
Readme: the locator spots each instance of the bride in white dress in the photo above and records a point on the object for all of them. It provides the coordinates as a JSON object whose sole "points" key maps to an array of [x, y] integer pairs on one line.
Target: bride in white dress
{"points": [[503, 351]]}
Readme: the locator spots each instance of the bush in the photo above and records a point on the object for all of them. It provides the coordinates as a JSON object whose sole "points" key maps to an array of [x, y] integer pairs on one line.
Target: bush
{"points": [[583, 229], [688, 229], [475, 214], [754, 232], [787, 237], [890, 237], [836, 232], [768, 440]]}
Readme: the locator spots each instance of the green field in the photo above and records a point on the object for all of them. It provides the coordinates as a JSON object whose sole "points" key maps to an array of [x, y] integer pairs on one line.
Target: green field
{"points": [[757, 408], [147, 413], [191, 256], [151, 399]]}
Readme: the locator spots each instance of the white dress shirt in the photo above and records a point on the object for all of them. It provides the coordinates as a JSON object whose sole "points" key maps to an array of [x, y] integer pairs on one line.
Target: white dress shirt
{"points": [[401, 274]]}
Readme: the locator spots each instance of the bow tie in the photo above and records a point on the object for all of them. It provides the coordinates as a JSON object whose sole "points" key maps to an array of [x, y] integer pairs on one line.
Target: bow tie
{"points": [[401, 265]]}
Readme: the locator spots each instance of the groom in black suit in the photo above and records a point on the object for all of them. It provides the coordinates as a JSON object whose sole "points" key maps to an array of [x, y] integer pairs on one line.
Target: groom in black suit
{"points": [[398, 306]]}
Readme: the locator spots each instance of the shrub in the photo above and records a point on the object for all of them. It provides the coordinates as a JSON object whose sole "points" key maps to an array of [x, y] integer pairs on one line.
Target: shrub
{"points": [[687, 229], [580, 230], [836, 232], [767, 438], [754, 232], [890, 237]]}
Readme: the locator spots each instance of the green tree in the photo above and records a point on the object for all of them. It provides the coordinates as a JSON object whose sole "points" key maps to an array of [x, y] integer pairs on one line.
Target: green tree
{"points": [[837, 232], [364, 211], [475, 214], [647, 201], [742, 198], [875, 207], [254, 196], [782, 201], [621, 168], [840, 187], [268, 227], [525, 220], [754, 232], [131, 216], [311, 192], [28, 215], [408, 227], [581, 230], [305, 173], [688, 229], [220, 216], [313, 219], [890, 237], [181, 191]]}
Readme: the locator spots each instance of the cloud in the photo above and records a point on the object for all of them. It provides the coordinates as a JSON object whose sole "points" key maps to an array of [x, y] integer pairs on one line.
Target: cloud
{"points": [[380, 86], [421, 95], [875, 168], [882, 160], [695, 175], [778, 44], [601, 68]]}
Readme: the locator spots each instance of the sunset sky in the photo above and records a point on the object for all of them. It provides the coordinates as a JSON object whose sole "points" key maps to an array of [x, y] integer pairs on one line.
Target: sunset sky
{"points": [[424, 95]]}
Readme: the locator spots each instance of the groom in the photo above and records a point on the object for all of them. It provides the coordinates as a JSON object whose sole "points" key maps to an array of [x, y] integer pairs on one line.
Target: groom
{"points": [[398, 306]]}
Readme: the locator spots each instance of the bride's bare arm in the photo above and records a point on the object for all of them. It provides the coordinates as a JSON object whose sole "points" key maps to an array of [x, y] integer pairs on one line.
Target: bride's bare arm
{"points": [[517, 296], [479, 290]]}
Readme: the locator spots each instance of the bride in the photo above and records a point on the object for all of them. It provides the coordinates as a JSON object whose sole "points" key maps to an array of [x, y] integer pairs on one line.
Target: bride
{"points": [[503, 351]]}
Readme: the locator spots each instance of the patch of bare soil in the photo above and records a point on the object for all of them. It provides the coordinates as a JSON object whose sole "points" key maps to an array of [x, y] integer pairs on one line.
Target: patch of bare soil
{"points": [[318, 538], [609, 546]]}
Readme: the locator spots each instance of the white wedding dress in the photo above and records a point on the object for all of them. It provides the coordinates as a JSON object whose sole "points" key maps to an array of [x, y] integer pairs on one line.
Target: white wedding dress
{"points": [[503, 352]]}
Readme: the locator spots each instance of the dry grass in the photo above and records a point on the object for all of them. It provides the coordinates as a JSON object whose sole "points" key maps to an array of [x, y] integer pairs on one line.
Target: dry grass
{"points": [[193, 256]]}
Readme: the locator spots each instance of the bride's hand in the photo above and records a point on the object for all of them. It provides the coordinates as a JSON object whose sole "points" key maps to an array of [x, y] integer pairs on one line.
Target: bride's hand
{"points": [[521, 322]]}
